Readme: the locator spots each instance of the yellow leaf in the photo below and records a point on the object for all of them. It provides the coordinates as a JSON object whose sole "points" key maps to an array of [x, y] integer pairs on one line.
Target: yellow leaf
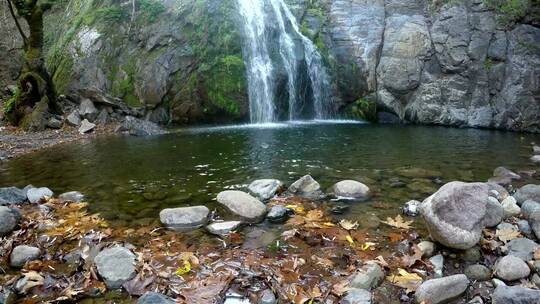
{"points": [[350, 240], [404, 279], [328, 224], [348, 225], [506, 235], [185, 269], [398, 222], [297, 209]]}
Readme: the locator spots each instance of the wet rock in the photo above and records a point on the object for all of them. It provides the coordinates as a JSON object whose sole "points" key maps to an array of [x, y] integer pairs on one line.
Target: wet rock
{"points": [[277, 214], [527, 192], [356, 296], [54, 123], [35, 195], [515, 295], [243, 205], [72, 196], [88, 110], [528, 207], [74, 119], [427, 248], [455, 213], [306, 186], [503, 172], [438, 265], [494, 212], [525, 228], [12, 195], [267, 297], [116, 266], [510, 207], [411, 208], [86, 127], [138, 127], [511, 268], [22, 254], [368, 277], [442, 290], [223, 228], [264, 189], [522, 248], [9, 219], [350, 189], [155, 298], [478, 272], [184, 218]]}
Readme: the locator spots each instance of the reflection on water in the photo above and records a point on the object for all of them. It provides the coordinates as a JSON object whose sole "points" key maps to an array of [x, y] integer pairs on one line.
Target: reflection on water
{"points": [[130, 178]]}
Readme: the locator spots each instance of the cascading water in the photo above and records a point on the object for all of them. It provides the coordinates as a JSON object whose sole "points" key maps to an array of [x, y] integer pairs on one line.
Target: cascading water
{"points": [[260, 19]]}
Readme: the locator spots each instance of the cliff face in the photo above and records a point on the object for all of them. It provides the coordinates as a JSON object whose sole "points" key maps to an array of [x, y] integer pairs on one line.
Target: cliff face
{"points": [[462, 63]]}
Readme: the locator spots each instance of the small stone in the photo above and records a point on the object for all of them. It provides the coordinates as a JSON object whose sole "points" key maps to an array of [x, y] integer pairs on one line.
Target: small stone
{"points": [[243, 205], [534, 222], [267, 297], [427, 248], [35, 195], [535, 279], [307, 187], [264, 189], [442, 290], [350, 189], [536, 266], [102, 118], [116, 266], [72, 196], [155, 298], [356, 296], [507, 226], [535, 159], [411, 208], [496, 282], [478, 272], [525, 228], [12, 195], [471, 255], [368, 277], [22, 254], [184, 218], [9, 219], [510, 207], [522, 248], [511, 268], [494, 212], [528, 207], [536, 149], [527, 192], [74, 119], [223, 228], [503, 172], [54, 123], [277, 214], [87, 109], [515, 295], [86, 127], [438, 265]]}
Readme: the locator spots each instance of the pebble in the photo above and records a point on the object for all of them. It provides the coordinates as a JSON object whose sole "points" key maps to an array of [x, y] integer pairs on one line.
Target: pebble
{"points": [[357, 296], [277, 214], [35, 195], [438, 265], [511, 268], [116, 266], [510, 207], [427, 248], [478, 272], [223, 228], [368, 277], [22, 254], [442, 290]]}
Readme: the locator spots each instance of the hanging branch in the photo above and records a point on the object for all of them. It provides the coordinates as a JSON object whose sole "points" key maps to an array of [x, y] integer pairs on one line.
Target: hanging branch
{"points": [[12, 12]]}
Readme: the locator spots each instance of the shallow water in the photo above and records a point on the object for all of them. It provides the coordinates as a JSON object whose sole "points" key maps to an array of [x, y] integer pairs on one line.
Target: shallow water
{"points": [[129, 179]]}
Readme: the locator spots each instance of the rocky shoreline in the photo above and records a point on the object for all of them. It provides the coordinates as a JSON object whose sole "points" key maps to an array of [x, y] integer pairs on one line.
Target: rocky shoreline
{"points": [[482, 247]]}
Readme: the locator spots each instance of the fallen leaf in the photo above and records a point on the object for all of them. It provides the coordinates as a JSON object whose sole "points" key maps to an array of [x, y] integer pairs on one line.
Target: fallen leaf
{"points": [[398, 222], [340, 288], [350, 240], [348, 225], [506, 235], [33, 279], [409, 260], [406, 280], [182, 270]]}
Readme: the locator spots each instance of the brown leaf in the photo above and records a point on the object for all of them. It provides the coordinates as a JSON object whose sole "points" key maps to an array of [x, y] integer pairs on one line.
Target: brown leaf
{"points": [[406, 280], [409, 260], [506, 235]]}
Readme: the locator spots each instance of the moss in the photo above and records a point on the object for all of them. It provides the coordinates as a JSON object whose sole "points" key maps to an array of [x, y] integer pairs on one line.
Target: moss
{"points": [[10, 104], [362, 109], [123, 82], [150, 10], [488, 64], [226, 83], [509, 11]]}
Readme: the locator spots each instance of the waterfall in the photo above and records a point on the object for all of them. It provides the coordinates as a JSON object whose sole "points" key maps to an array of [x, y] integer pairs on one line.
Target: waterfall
{"points": [[259, 19]]}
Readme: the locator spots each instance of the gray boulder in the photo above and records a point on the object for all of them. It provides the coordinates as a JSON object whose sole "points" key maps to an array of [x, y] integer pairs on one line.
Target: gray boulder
{"points": [[522, 248], [350, 189], [528, 207], [264, 189], [357, 296], [527, 192], [525, 228], [277, 214], [536, 150], [494, 212], [72, 196], [515, 295], [86, 127], [243, 205], [54, 123], [223, 228], [306, 186], [138, 127], [22, 254], [35, 195], [511, 268], [155, 298], [455, 213], [478, 272], [442, 290], [184, 218], [368, 277], [12, 195], [74, 119], [88, 110], [116, 266], [102, 118], [9, 219], [510, 207]]}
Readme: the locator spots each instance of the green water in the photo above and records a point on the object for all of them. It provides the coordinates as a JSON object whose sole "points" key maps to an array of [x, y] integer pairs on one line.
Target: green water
{"points": [[129, 179]]}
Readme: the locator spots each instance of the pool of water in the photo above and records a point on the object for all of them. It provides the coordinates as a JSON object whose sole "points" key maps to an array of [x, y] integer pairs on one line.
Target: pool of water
{"points": [[128, 179]]}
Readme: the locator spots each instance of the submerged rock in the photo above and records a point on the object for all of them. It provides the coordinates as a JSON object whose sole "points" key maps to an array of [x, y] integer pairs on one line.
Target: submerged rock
{"points": [[86, 127], [12, 195], [9, 219], [527, 192], [515, 295], [455, 213], [307, 187], [350, 189], [22, 254], [116, 266], [511, 268], [155, 298], [223, 228], [441, 290], [357, 296], [35, 195], [184, 218], [72, 196], [264, 189], [411, 208], [277, 214], [368, 277], [243, 205], [139, 127]]}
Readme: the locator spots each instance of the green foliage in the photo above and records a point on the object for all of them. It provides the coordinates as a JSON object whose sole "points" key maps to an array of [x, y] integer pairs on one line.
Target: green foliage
{"points": [[10, 104], [110, 15], [488, 64], [509, 11], [149, 10], [363, 109], [227, 81]]}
